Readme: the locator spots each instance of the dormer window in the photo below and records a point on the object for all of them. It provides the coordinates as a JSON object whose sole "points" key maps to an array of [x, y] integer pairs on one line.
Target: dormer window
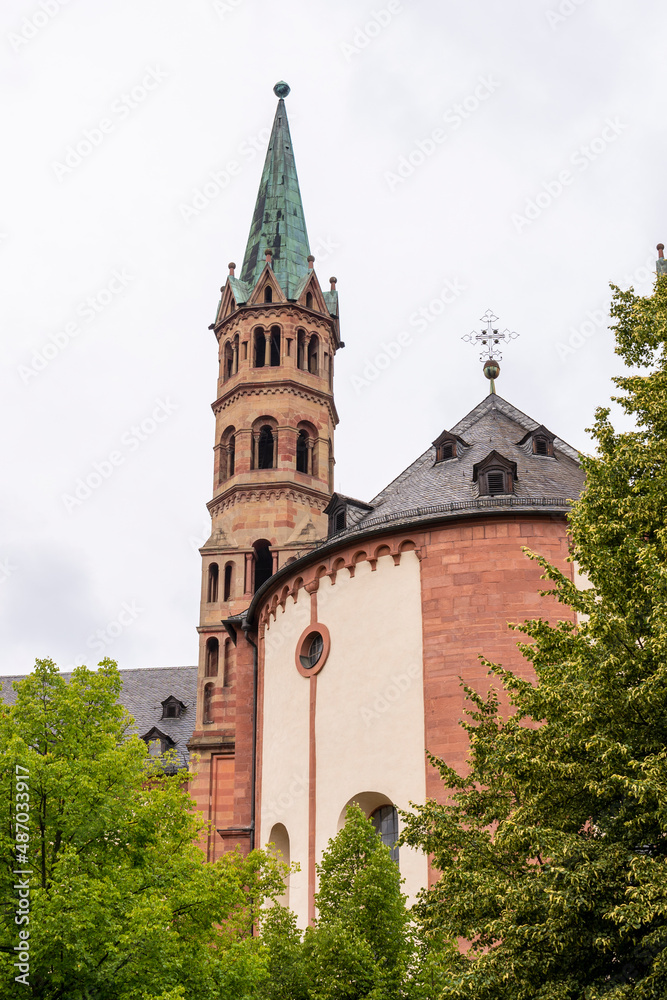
{"points": [[172, 708], [447, 446], [495, 475], [540, 442], [157, 742], [344, 512]]}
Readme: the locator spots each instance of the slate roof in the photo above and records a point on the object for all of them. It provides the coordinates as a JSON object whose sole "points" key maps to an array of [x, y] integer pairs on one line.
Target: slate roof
{"points": [[278, 223], [427, 488], [142, 695]]}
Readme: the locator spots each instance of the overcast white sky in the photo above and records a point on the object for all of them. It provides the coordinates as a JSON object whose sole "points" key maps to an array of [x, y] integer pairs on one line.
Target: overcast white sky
{"points": [[454, 155]]}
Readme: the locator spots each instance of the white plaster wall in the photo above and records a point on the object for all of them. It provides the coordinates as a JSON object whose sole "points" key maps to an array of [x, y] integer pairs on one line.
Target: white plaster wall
{"points": [[370, 712], [285, 747], [370, 697]]}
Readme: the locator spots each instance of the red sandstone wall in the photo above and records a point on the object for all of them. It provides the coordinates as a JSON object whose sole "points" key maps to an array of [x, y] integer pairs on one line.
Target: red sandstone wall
{"points": [[476, 579]]}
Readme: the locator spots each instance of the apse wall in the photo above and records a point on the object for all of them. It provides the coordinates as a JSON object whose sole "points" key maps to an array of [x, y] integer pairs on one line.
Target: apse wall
{"points": [[356, 727]]}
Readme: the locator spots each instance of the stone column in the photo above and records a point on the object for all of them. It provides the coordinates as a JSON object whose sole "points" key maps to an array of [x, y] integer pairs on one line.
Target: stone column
{"points": [[249, 559]]}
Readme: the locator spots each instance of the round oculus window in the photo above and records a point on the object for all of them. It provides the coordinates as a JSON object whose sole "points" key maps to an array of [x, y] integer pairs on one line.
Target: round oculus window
{"points": [[312, 652]]}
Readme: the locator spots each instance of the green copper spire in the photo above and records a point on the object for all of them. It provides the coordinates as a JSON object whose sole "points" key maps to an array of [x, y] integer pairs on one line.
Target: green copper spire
{"points": [[278, 223]]}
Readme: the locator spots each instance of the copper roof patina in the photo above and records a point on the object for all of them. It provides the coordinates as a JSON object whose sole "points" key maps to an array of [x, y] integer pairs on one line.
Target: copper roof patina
{"points": [[278, 223]]}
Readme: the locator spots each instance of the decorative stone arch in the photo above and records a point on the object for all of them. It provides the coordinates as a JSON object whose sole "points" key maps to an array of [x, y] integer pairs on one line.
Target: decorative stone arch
{"points": [[380, 550]]}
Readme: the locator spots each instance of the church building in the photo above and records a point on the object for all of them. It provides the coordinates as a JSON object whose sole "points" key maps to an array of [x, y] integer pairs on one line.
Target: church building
{"points": [[334, 632]]}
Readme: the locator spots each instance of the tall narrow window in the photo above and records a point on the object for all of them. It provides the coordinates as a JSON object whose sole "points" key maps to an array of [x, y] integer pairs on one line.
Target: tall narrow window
{"points": [[263, 562], [302, 452], [228, 366], [226, 661], [212, 654], [275, 346], [265, 448], [301, 349], [227, 592], [312, 355], [309, 300], [208, 703], [212, 583], [260, 349], [385, 821], [231, 455], [268, 294]]}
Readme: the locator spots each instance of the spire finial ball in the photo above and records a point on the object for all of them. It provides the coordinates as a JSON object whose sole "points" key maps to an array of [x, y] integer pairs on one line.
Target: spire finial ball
{"points": [[491, 369], [281, 89]]}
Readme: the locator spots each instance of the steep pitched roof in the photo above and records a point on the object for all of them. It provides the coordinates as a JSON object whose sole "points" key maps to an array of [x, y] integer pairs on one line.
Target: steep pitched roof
{"points": [[278, 223], [428, 487], [142, 695]]}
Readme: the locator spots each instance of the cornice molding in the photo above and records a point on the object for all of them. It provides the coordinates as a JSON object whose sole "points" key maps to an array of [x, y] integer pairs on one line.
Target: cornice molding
{"points": [[268, 493], [282, 387]]}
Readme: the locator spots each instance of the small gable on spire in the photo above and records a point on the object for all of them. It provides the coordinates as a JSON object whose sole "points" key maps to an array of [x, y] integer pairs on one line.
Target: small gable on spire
{"points": [[267, 288], [309, 294]]}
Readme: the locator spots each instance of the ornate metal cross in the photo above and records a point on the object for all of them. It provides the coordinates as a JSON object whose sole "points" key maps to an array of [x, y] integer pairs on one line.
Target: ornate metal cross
{"points": [[489, 339]]}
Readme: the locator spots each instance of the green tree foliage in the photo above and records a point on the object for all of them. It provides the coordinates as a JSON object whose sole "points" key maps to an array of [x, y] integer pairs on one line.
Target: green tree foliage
{"points": [[123, 906], [553, 848], [361, 947]]}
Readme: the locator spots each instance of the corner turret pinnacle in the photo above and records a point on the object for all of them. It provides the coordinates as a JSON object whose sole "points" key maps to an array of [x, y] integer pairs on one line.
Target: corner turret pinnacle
{"points": [[278, 223]]}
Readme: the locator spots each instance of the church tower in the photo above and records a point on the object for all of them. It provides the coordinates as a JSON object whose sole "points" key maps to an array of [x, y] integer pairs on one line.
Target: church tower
{"points": [[277, 334]]}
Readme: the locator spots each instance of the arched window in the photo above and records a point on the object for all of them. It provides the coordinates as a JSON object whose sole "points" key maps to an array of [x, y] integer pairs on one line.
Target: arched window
{"points": [[385, 821], [208, 703], [260, 348], [275, 346], [302, 452], [301, 349], [263, 562], [313, 345], [212, 583], [279, 847], [227, 453], [265, 448], [228, 362], [212, 653], [542, 446], [309, 300], [227, 592], [268, 294]]}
